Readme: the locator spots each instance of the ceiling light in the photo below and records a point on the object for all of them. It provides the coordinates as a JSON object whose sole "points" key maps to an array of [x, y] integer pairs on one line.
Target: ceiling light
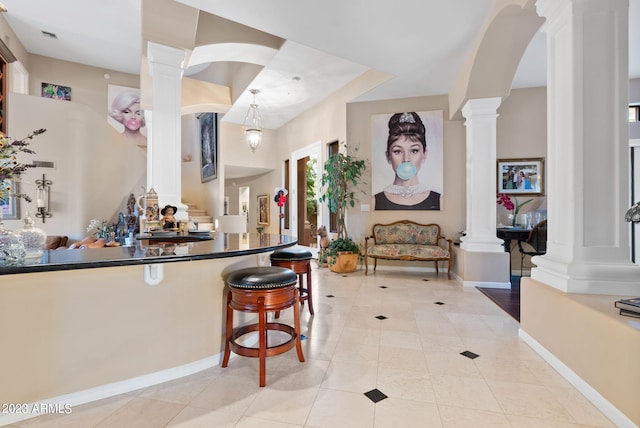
{"points": [[3, 8], [252, 126]]}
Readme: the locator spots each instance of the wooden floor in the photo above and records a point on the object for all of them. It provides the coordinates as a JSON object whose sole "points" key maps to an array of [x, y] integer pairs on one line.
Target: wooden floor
{"points": [[507, 298]]}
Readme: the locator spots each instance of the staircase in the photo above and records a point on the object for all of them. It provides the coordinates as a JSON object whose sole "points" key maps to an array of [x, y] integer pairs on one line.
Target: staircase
{"points": [[198, 215]]}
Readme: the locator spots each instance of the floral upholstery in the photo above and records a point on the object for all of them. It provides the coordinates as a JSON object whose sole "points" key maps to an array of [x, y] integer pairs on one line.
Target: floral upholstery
{"points": [[406, 240], [409, 250], [406, 233]]}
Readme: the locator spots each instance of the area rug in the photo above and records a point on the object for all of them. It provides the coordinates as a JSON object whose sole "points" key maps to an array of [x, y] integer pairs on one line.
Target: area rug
{"points": [[508, 299]]}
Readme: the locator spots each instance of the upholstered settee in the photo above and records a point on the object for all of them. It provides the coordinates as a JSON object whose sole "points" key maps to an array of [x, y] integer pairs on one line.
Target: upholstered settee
{"points": [[407, 240]]}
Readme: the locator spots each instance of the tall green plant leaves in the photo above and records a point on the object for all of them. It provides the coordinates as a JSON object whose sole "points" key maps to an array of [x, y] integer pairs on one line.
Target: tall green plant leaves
{"points": [[340, 171]]}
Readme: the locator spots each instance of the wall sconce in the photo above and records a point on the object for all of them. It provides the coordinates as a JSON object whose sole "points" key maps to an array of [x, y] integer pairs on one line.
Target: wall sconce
{"points": [[42, 198]]}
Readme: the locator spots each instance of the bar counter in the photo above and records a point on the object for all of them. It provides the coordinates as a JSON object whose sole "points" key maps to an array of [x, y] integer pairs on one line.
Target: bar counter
{"points": [[153, 250], [82, 325]]}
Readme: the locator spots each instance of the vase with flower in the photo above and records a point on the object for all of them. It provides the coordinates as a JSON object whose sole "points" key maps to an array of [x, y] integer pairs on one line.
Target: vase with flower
{"points": [[12, 251], [513, 206]]}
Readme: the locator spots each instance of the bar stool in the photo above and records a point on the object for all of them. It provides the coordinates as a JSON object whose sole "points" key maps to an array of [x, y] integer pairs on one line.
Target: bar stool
{"points": [[299, 261], [261, 290]]}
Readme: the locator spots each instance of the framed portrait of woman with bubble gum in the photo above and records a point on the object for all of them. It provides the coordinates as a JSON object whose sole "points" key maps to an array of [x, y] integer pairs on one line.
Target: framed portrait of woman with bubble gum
{"points": [[407, 161], [125, 114]]}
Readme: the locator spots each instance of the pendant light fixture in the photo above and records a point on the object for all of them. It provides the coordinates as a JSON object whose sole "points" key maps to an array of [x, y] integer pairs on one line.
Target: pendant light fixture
{"points": [[252, 124]]}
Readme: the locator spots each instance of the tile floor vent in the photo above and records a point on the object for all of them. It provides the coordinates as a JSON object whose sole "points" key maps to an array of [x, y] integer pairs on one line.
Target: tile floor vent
{"points": [[43, 164]]}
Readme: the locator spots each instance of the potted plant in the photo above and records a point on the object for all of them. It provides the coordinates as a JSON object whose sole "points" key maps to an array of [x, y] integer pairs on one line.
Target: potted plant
{"points": [[340, 178], [342, 255]]}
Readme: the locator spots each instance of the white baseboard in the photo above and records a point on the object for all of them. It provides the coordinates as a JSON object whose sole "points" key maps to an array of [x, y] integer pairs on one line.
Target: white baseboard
{"points": [[608, 409], [64, 402]]}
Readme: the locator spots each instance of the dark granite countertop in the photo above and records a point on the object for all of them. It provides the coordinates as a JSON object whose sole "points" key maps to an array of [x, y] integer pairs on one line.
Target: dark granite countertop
{"points": [[148, 252]]}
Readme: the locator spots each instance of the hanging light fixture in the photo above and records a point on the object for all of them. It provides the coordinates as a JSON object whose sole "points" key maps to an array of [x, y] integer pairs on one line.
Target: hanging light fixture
{"points": [[252, 124]]}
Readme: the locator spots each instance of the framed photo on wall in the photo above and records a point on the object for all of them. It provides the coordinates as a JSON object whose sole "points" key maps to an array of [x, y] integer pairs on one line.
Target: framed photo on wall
{"points": [[263, 210], [209, 146], [9, 204], [521, 176], [57, 92]]}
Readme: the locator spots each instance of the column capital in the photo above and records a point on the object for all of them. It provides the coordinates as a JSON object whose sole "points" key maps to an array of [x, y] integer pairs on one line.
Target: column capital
{"points": [[167, 55], [481, 107]]}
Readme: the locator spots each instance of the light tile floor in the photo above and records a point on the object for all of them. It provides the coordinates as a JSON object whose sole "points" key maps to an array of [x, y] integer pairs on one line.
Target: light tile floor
{"points": [[412, 356]]}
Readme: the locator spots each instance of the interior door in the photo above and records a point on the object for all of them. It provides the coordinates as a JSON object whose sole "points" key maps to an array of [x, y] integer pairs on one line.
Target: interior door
{"points": [[298, 191]]}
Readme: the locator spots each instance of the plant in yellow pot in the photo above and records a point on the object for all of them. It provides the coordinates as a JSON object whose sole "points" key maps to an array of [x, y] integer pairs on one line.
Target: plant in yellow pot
{"points": [[340, 178], [342, 255]]}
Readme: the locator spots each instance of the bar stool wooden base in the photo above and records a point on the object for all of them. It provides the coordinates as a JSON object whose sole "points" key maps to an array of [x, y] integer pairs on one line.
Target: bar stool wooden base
{"points": [[262, 297], [299, 261]]}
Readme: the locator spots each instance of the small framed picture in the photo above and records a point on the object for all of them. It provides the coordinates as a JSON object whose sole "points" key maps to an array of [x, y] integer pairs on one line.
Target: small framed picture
{"points": [[521, 176], [57, 92], [263, 209], [9, 204]]}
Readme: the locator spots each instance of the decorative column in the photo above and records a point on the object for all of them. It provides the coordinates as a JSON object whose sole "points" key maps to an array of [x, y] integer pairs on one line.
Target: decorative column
{"points": [[481, 116], [587, 148], [164, 169]]}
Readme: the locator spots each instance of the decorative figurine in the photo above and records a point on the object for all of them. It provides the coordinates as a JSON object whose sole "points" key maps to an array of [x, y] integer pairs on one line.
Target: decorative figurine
{"points": [[324, 244], [150, 209], [131, 219], [168, 221], [280, 199], [281, 196]]}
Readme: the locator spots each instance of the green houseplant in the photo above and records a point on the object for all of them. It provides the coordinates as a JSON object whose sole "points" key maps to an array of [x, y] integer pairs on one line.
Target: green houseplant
{"points": [[342, 255], [340, 179]]}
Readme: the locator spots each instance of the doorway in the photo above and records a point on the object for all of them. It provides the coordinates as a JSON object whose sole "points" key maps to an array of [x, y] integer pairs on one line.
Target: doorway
{"points": [[243, 202], [304, 193]]}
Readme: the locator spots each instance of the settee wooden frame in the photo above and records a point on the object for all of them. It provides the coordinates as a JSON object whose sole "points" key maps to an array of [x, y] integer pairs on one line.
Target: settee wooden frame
{"points": [[448, 245]]}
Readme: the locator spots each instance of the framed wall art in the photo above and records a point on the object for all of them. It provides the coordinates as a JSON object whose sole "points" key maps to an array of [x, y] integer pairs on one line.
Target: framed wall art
{"points": [[521, 176], [407, 160], [209, 145], [263, 210], [125, 114], [57, 92], [9, 204]]}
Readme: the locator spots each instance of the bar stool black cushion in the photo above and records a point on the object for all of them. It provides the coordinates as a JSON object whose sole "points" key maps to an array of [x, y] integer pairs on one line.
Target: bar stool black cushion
{"points": [[291, 254], [299, 261], [261, 290], [262, 277]]}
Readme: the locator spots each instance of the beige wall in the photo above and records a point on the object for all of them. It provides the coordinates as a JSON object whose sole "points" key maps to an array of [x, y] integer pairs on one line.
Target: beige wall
{"points": [[94, 171], [586, 333], [13, 43], [86, 328]]}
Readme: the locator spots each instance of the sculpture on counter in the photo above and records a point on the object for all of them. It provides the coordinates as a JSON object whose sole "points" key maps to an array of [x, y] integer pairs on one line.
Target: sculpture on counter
{"points": [[149, 211], [168, 221], [131, 219]]}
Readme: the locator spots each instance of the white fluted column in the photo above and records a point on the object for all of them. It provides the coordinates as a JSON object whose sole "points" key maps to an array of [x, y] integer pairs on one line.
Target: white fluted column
{"points": [[164, 169], [587, 153], [481, 116]]}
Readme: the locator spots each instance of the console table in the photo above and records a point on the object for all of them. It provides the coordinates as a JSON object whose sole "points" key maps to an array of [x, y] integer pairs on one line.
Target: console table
{"points": [[509, 234]]}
